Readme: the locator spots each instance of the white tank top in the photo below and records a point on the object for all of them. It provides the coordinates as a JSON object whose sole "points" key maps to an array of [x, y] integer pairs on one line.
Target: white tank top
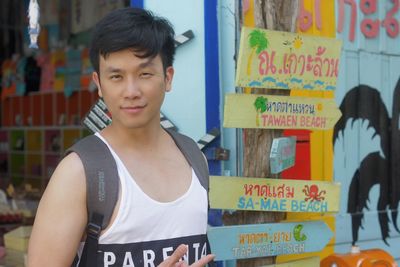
{"points": [[146, 231]]}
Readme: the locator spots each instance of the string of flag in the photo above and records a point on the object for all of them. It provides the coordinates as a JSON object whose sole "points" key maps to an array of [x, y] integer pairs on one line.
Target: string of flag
{"points": [[208, 138], [166, 123], [183, 38]]}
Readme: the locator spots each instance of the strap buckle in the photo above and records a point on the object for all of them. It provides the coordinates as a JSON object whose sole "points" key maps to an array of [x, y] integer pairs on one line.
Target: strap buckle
{"points": [[93, 230]]}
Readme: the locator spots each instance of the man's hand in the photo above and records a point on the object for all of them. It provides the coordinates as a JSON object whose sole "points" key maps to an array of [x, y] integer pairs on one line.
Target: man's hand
{"points": [[174, 259]]}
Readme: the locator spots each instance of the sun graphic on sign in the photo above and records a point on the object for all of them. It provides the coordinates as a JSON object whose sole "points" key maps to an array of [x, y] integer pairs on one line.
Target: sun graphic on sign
{"points": [[297, 42]]}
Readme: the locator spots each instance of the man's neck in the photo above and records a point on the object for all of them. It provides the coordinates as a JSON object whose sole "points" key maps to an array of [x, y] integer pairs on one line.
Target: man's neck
{"points": [[138, 138]]}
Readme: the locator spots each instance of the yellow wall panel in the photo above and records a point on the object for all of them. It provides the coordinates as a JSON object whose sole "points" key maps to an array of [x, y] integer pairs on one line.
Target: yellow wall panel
{"points": [[321, 147], [248, 21], [248, 16]]}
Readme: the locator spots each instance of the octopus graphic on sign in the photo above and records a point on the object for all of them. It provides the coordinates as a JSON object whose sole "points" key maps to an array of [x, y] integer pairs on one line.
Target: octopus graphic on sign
{"points": [[312, 192]]}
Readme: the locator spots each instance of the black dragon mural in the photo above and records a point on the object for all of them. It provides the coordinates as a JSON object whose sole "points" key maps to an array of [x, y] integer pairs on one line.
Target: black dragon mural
{"points": [[364, 102]]}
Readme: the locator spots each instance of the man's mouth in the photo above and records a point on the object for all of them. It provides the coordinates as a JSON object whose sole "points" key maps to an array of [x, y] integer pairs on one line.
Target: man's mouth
{"points": [[133, 109]]}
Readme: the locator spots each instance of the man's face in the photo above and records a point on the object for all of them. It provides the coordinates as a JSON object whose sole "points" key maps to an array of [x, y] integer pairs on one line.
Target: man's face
{"points": [[133, 88]]}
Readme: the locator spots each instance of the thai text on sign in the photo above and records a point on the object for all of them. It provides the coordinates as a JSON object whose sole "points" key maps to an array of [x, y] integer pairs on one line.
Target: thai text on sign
{"points": [[283, 60], [262, 240], [263, 194], [279, 112]]}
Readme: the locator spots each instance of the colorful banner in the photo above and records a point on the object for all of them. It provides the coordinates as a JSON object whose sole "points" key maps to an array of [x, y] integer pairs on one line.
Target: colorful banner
{"points": [[283, 154], [284, 60], [279, 112], [264, 240], [263, 194]]}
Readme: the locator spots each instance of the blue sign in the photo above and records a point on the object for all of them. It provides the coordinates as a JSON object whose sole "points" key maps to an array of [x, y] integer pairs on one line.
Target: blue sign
{"points": [[283, 153], [264, 240]]}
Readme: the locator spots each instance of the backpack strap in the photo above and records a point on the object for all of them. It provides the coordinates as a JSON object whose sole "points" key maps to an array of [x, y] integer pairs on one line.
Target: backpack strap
{"points": [[102, 183], [102, 186], [197, 161], [193, 155]]}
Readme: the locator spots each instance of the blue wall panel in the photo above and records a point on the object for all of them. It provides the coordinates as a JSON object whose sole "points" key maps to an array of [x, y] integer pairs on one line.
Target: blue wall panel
{"points": [[372, 62], [137, 3], [357, 141], [211, 48]]}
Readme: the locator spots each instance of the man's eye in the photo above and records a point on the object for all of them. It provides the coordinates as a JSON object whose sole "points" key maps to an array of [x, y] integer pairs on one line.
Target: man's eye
{"points": [[115, 77], [146, 75]]}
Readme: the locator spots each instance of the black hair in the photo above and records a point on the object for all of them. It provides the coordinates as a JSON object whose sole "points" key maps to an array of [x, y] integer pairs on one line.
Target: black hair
{"points": [[133, 28]]}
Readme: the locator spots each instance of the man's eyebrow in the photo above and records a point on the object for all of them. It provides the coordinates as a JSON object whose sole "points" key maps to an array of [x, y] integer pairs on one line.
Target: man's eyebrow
{"points": [[147, 63], [112, 69], [144, 64]]}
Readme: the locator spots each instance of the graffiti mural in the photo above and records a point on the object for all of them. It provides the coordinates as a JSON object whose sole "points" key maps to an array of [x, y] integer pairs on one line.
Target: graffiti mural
{"points": [[367, 138], [365, 103]]}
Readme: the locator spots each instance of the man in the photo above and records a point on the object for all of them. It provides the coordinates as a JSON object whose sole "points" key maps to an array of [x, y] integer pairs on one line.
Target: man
{"points": [[161, 201]]}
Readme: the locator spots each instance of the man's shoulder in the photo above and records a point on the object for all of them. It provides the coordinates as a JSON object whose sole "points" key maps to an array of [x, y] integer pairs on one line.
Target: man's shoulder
{"points": [[70, 167], [182, 139]]}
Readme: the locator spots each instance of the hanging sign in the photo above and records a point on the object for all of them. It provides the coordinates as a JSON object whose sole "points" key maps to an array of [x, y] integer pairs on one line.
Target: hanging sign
{"points": [[264, 240], [309, 262], [279, 112], [263, 194], [283, 153], [284, 60]]}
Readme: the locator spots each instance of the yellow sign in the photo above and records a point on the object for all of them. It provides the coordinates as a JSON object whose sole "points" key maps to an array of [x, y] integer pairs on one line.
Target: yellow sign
{"points": [[263, 194], [284, 60], [307, 262], [279, 112]]}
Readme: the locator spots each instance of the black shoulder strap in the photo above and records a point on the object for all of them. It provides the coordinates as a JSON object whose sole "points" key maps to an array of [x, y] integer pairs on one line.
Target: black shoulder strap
{"points": [[193, 155], [102, 185]]}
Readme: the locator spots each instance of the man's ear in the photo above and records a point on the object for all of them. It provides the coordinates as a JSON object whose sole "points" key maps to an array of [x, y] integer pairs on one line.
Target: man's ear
{"points": [[96, 80], [169, 75]]}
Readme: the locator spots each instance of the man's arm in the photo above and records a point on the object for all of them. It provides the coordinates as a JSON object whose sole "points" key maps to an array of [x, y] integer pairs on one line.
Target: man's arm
{"points": [[61, 217]]}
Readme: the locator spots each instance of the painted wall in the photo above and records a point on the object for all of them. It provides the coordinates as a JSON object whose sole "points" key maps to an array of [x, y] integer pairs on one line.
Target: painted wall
{"points": [[369, 72], [227, 15], [185, 104], [373, 61]]}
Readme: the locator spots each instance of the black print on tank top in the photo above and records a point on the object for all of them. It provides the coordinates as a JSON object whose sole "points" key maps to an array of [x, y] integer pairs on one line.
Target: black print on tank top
{"points": [[151, 253]]}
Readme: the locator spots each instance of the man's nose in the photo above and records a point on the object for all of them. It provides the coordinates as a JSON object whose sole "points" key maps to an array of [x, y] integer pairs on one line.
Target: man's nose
{"points": [[132, 88]]}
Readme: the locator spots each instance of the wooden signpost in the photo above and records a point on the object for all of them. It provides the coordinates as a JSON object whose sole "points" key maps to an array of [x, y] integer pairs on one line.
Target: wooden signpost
{"points": [[262, 240], [279, 112], [284, 60], [307, 262], [278, 60], [283, 154], [262, 194]]}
